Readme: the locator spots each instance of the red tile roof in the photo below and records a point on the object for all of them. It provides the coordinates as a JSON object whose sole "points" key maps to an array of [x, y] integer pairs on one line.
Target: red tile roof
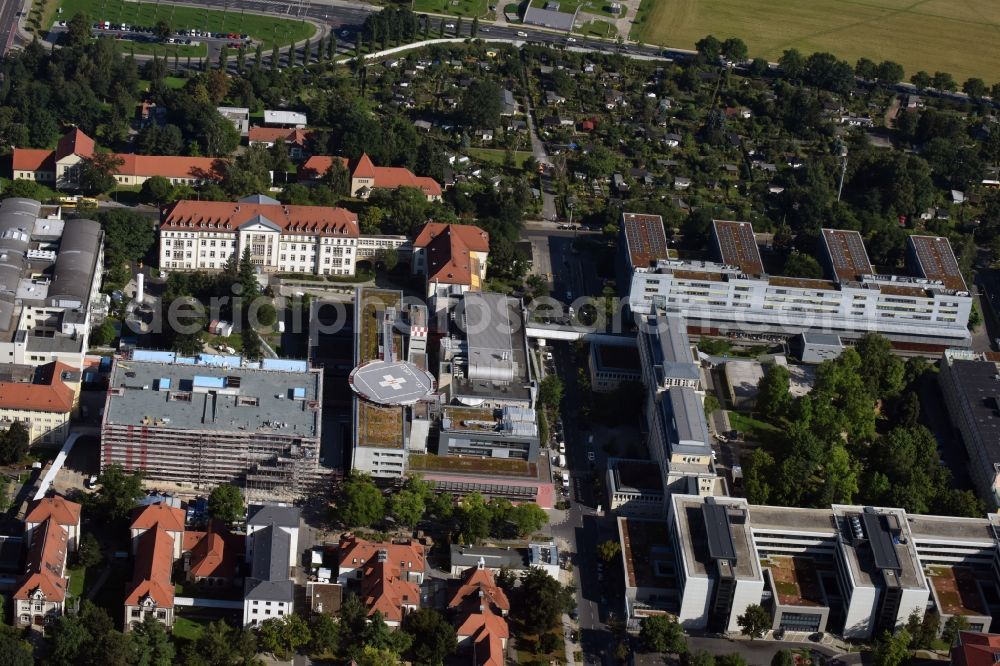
{"points": [[213, 553], [33, 159], [448, 249], [488, 648], [74, 142], [60, 509], [159, 514], [45, 564], [153, 564], [384, 566], [976, 649], [297, 136], [476, 623], [478, 584], [225, 216], [316, 166], [389, 178], [169, 166], [47, 393]]}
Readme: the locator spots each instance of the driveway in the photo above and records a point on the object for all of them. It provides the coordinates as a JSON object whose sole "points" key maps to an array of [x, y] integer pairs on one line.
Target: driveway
{"points": [[538, 152]]}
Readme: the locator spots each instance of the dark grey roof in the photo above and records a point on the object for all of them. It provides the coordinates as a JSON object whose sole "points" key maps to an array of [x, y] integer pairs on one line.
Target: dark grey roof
{"points": [[260, 199], [76, 263], [494, 558], [684, 420], [273, 514], [720, 538], [549, 18], [269, 566], [883, 548], [671, 348], [260, 219]]}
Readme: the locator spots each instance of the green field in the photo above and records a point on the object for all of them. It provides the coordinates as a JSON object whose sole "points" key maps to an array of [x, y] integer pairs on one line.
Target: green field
{"points": [[962, 38], [598, 29], [466, 8], [264, 29], [496, 156], [590, 6]]}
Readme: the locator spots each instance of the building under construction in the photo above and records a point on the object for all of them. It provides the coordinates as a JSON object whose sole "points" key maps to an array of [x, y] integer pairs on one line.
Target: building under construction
{"points": [[205, 420]]}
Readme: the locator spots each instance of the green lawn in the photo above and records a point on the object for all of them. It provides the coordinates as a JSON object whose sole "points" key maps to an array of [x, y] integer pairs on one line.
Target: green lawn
{"points": [[265, 29], [598, 29], [466, 8], [169, 81], [962, 38], [77, 578], [753, 430], [496, 156], [187, 628], [570, 6]]}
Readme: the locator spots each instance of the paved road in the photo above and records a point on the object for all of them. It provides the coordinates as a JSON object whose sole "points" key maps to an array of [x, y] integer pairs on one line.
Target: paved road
{"points": [[9, 10]]}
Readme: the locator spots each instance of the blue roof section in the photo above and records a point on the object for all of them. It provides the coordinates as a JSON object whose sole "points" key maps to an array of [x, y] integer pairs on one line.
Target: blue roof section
{"points": [[299, 393], [219, 360], [208, 382], [154, 356], [186, 360], [285, 364], [163, 383]]}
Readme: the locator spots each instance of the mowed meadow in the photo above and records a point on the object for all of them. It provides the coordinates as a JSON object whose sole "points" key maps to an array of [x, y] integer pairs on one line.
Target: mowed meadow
{"points": [[961, 37]]}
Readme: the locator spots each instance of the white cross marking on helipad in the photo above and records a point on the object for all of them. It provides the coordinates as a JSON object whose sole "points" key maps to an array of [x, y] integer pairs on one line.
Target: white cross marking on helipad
{"points": [[396, 383]]}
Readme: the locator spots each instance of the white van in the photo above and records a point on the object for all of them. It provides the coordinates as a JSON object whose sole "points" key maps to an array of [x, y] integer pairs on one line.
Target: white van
{"points": [[565, 479], [562, 460], [562, 447]]}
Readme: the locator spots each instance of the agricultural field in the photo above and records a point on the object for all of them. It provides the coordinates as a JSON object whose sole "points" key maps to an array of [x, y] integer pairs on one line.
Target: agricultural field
{"points": [[264, 29], [962, 38]]}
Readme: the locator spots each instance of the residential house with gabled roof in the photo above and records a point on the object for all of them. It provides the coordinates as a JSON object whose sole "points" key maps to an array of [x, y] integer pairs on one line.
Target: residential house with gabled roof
{"points": [[479, 610], [366, 178], [151, 592], [387, 575], [43, 402], [452, 257], [40, 596], [272, 553], [158, 516], [296, 139], [65, 513], [976, 649], [212, 557]]}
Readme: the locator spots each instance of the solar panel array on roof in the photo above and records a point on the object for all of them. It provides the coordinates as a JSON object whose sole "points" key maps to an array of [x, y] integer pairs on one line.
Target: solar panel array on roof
{"points": [[720, 539], [847, 253], [738, 246], [645, 237], [883, 548], [936, 261]]}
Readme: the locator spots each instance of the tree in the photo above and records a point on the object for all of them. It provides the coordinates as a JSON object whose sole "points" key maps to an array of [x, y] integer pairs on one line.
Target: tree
{"points": [[783, 658], [78, 30], [434, 638], [759, 67], [733, 659], [89, 553], [372, 656], [943, 81], [792, 64], [701, 658], [338, 178], [866, 69], [884, 371], [251, 344], [474, 31], [892, 649], [527, 518], [325, 634], [709, 48], [14, 443], [481, 104], [157, 190], [773, 395], [542, 600], [550, 391], [407, 507], [889, 73], [221, 645], [68, 639], [283, 636], [660, 633], [754, 622], [361, 503], [97, 172], [608, 550], [734, 49], [14, 651], [152, 643], [162, 30], [128, 235], [118, 492], [975, 88], [802, 265], [474, 518], [249, 173], [952, 627], [225, 503], [921, 79]]}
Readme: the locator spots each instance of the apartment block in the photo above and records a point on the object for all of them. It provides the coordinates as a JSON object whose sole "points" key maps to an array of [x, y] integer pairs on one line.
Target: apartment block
{"points": [[51, 530], [922, 313], [970, 383], [206, 420], [42, 398], [386, 575], [50, 277]]}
